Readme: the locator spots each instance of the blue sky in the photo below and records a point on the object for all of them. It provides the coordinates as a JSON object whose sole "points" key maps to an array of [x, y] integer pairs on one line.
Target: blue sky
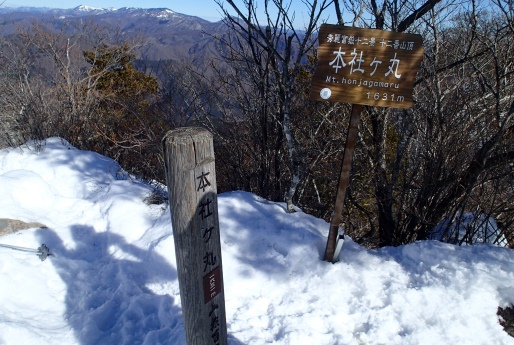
{"points": [[202, 8], [206, 9]]}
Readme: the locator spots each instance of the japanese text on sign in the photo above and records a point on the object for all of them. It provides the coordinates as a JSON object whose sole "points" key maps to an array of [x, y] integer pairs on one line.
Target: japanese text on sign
{"points": [[366, 66]]}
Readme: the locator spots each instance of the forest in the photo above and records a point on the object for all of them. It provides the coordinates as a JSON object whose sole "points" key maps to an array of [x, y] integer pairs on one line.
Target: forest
{"points": [[442, 169]]}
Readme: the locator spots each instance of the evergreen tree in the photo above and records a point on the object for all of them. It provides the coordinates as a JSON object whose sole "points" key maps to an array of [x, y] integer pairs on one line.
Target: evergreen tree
{"points": [[127, 126]]}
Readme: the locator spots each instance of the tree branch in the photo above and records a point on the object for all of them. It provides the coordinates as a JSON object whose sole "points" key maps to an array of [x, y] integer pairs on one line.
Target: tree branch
{"points": [[427, 6]]}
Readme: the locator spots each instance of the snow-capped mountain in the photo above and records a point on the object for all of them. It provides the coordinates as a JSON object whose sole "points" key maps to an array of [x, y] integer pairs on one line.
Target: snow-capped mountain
{"points": [[166, 33]]}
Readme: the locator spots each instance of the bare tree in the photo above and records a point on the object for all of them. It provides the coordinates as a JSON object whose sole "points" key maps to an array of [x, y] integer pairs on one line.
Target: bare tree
{"points": [[50, 93], [79, 83], [275, 50], [432, 164]]}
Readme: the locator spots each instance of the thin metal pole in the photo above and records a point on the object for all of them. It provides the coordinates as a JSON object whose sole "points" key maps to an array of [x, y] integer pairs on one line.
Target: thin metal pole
{"points": [[42, 252], [344, 180], [20, 249]]}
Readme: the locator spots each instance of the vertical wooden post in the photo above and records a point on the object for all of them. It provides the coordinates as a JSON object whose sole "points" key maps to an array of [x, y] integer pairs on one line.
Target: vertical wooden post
{"points": [[191, 179], [344, 179]]}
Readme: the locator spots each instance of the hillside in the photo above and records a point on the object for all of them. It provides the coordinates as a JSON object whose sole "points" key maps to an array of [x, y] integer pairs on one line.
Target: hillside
{"points": [[167, 35]]}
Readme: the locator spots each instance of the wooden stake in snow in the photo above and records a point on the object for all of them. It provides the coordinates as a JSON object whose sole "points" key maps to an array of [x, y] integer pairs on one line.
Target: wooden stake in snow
{"points": [[191, 179], [344, 181]]}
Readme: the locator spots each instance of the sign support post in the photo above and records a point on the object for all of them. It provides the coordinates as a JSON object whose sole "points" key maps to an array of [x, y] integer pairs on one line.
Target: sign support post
{"points": [[362, 67], [344, 179]]}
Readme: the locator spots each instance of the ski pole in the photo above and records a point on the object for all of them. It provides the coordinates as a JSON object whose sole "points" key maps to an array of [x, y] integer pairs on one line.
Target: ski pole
{"points": [[42, 252]]}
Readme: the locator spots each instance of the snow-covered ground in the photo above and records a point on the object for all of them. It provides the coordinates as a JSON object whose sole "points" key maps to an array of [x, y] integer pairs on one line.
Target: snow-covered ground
{"points": [[112, 276]]}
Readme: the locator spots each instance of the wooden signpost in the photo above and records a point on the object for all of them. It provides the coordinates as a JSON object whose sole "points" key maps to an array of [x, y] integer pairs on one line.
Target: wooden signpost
{"points": [[362, 67], [366, 66], [191, 179]]}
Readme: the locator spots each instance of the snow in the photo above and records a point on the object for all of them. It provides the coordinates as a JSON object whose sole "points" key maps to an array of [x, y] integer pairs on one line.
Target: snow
{"points": [[470, 227], [86, 8], [112, 277]]}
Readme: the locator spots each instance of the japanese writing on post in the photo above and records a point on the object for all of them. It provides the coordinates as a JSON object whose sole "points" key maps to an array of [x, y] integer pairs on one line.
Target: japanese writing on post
{"points": [[211, 262], [215, 323], [366, 66]]}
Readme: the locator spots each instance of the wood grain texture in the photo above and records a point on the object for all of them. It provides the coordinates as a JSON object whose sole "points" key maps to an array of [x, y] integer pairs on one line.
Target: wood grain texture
{"points": [[366, 66], [344, 181], [191, 178]]}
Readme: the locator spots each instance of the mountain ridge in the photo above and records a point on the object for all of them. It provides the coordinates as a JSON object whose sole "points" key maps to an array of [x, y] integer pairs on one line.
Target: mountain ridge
{"points": [[168, 35]]}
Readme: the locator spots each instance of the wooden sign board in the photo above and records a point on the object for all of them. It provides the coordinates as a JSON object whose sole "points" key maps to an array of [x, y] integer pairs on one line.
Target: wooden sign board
{"points": [[366, 66]]}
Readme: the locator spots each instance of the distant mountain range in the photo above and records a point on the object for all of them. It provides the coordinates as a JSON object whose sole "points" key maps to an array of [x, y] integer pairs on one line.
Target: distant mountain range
{"points": [[168, 35]]}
